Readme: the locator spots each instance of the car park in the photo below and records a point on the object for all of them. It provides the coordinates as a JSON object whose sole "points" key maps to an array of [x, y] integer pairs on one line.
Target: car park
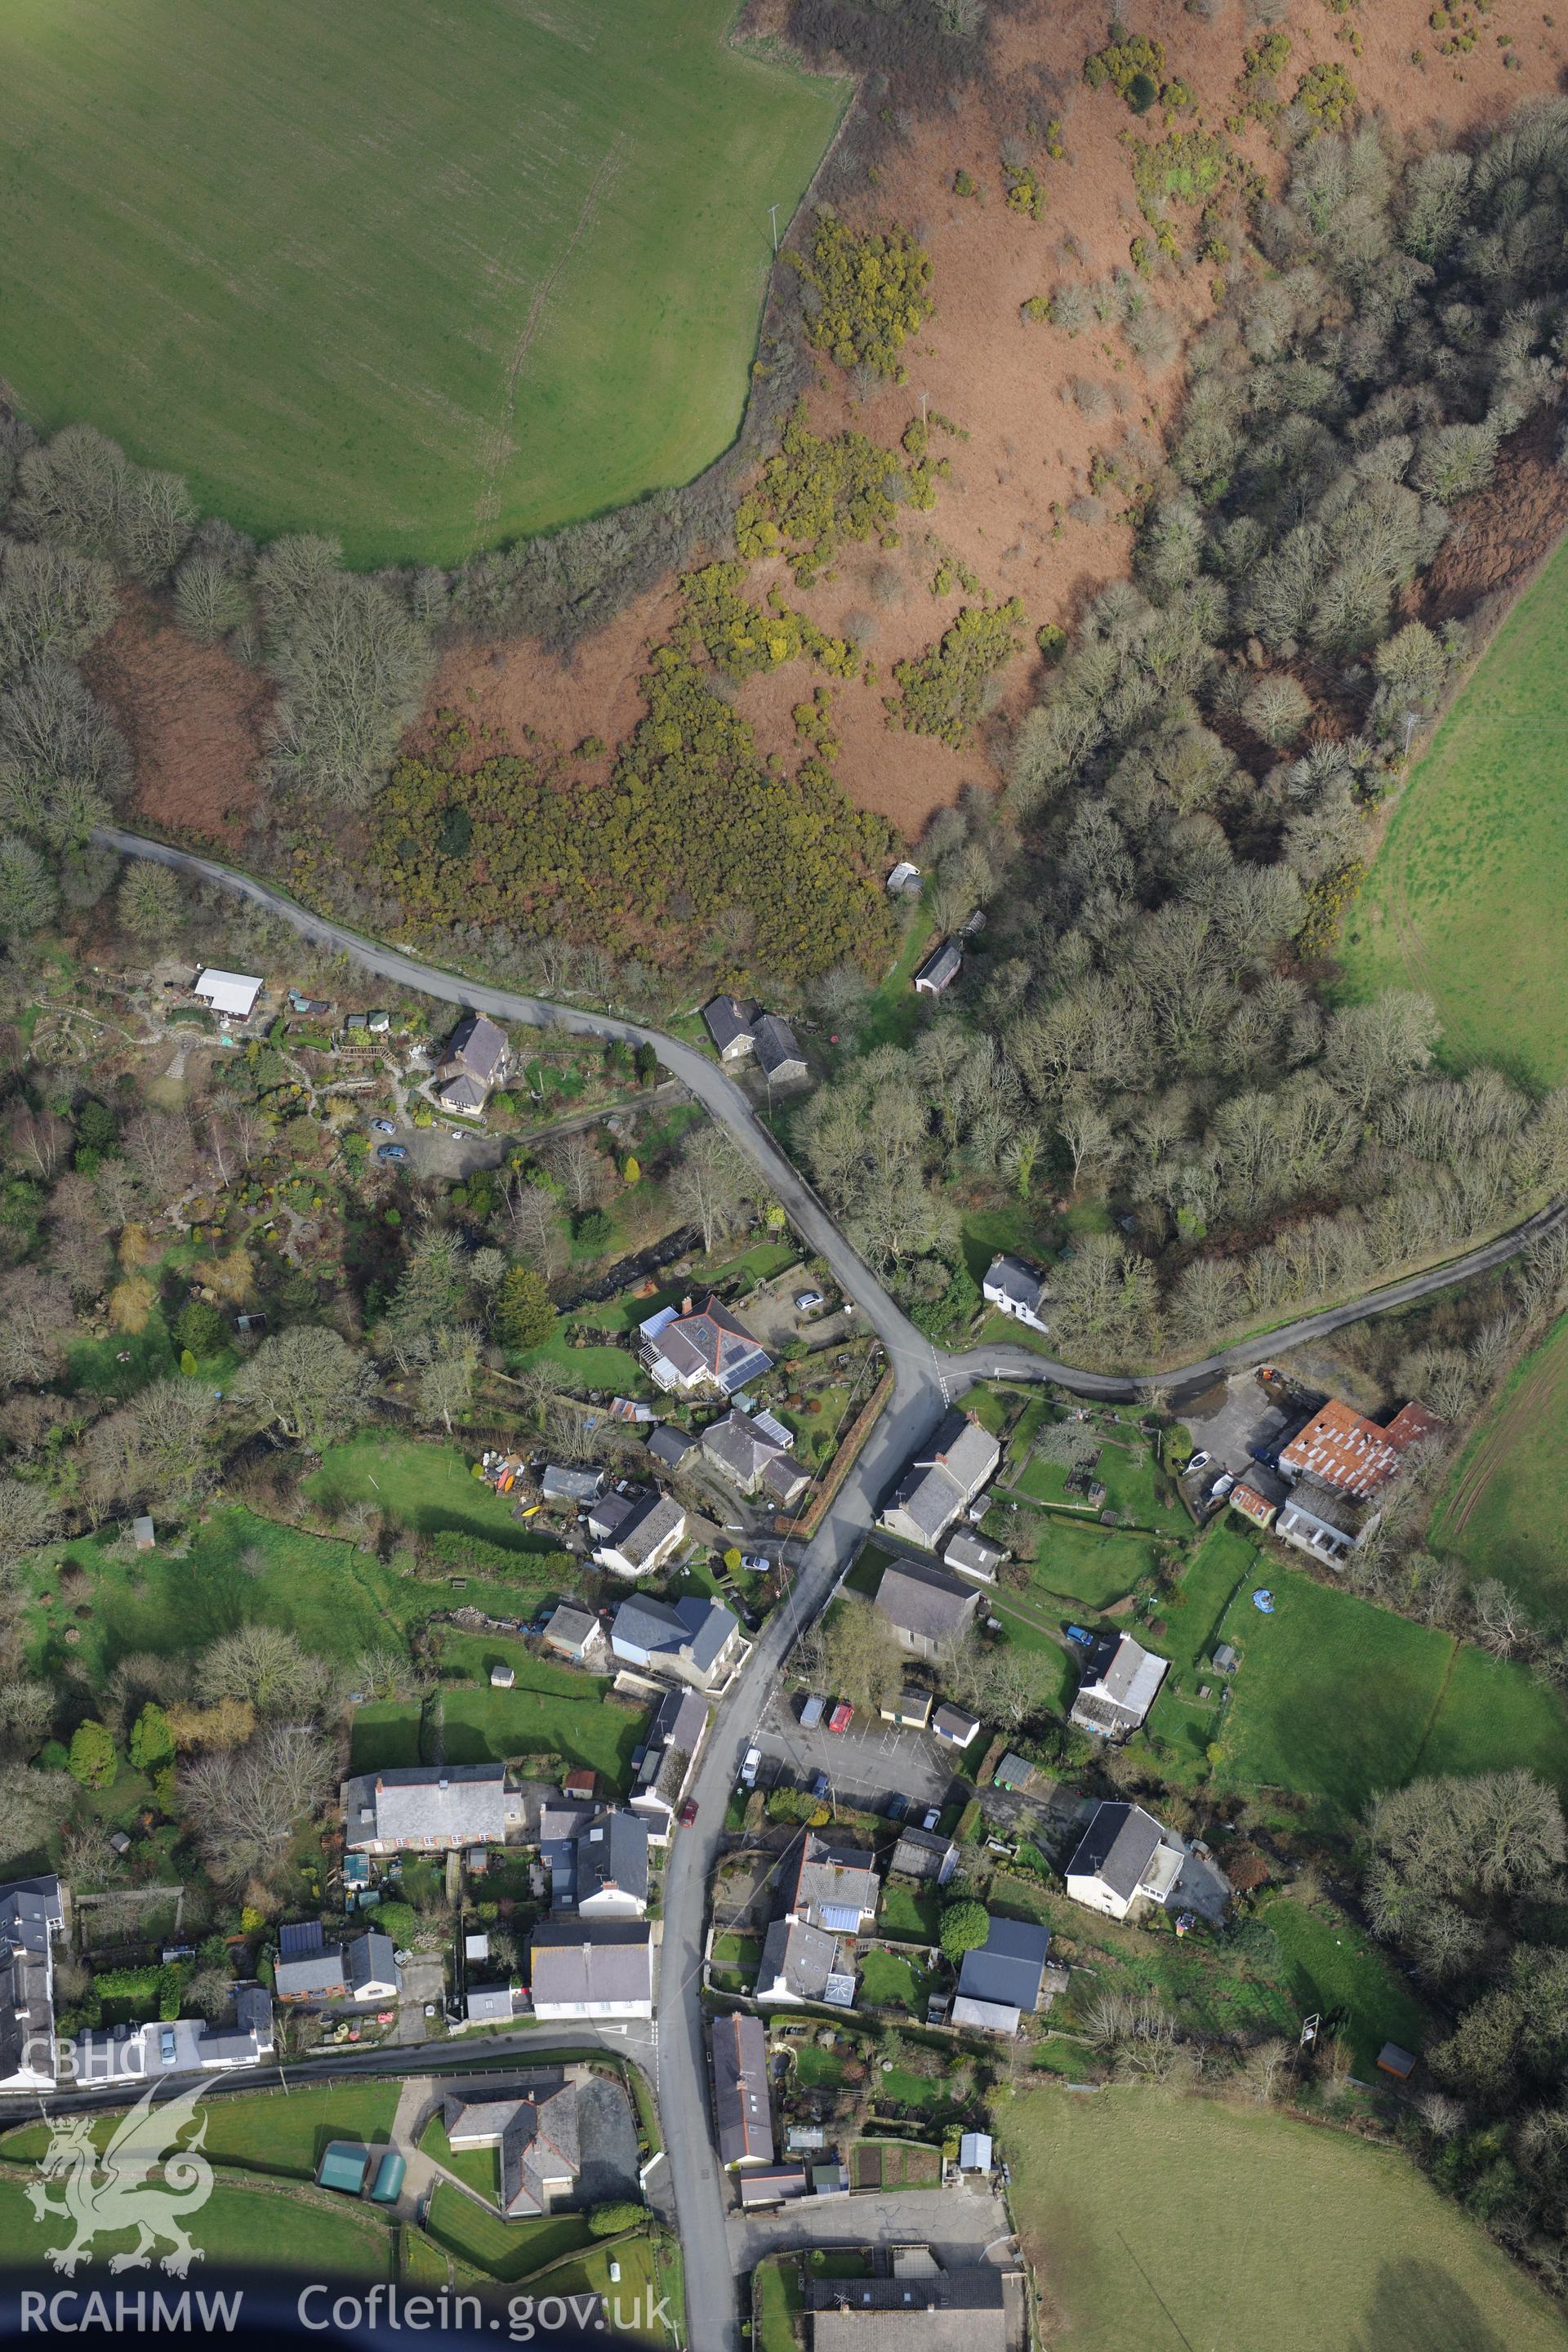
{"points": [[392, 1152]]}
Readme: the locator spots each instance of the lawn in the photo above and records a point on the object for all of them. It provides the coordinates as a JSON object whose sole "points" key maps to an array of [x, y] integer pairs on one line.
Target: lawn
{"points": [[430, 1488], [634, 2294], [1501, 1513], [737, 1959], [478, 2166], [1465, 900], [550, 1709], [1336, 1698], [904, 1912], [580, 1369], [424, 279], [1335, 1970], [93, 1367], [1127, 1472], [1092, 1565], [506, 2250], [1154, 2220], [243, 2226], [263, 2131], [779, 2302], [887, 1981]]}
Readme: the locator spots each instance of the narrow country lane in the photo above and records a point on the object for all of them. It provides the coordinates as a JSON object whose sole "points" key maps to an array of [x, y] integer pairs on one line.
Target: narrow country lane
{"points": [[925, 1381]]}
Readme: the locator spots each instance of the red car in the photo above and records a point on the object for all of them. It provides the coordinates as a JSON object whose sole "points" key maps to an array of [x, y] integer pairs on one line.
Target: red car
{"points": [[842, 1717], [688, 1813]]}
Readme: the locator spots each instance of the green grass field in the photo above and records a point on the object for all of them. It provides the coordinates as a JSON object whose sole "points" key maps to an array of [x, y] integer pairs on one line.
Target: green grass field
{"points": [[246, 2227], [421, 278], [1151, 2219], [1334, 1697], [1501, 1513], [506, 2250], [268, 2131], [550, 1707], [1465, 898], [1334, 1969], [478, 2166]]}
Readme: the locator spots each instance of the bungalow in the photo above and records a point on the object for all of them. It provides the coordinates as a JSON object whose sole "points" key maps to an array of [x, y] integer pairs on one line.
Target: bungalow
{"points": [[1017, 1288], [973, 1555], [779, 1056], [664, 1765], [924, 1853], [1123, 1859], [536, 2135], [977, 2309], [612, 1868], [942, 1481], [232, 995], [1120, 1683], [929, 1612], [743, 2112], [751, 1449], [955, 1724], [31, 1915], [1000, 1980], [574, 1634], [695, 1640], [650, 1532], [940, 969], [731, 1025], [430, 1809], [701, 1351], [602, 1970]]}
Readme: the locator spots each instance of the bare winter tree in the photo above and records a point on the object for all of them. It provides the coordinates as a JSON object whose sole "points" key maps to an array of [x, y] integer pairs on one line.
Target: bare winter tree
{"points": [[708, 1184], [244, 1803]]}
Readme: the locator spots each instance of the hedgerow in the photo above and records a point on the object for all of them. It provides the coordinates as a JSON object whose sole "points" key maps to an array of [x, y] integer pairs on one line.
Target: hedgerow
{"points": [[868, 295]]}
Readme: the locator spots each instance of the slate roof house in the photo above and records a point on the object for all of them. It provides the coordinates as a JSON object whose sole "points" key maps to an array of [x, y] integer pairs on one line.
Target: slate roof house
{"points": [[955, 1724], [246, 2043], [602, 1970], [562, 1484], [31, 1915], [779, 1056], [743, 2112], [973, 1555], [701, 1351], [754, 1450], [1123, 1858], [537, 2136], [475, 1062], [942, 1482], [801, 1963], [732, 1026], [940, 969], [1120, 1683], [695, 1639], [669, 1445], [1319, 1519], [650, 1531], [430, 1809], [308, 1969], [928, 1611], [1000, 1979], [836, 1888], [1017, 1290], [612, 1868], [675, 1735], [936, 2311]]}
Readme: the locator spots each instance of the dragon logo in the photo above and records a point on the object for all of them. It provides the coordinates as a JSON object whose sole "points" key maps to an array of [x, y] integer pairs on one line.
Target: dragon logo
{"points": [[144, 2181]]}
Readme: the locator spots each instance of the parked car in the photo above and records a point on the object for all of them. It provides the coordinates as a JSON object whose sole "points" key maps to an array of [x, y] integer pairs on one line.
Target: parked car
{"points": [[384, 1126], [842, 1717], [166, 2046], [688, 1813], [807, 1301], [1200, 1462], [391, 1152], [897, 1807], [1222, 1486], [812, 1712], [756, 1562], [1077, 1633], [819, 1786], [754, 1757], [931, 1819]]}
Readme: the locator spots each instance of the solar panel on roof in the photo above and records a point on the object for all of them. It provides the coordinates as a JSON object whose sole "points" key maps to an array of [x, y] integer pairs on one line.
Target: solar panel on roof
{"points": [[296, 1942]]}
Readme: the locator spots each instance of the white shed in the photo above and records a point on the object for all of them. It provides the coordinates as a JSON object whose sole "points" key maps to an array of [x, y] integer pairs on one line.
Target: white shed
{"points": [[228, 992], [975, 2152]]}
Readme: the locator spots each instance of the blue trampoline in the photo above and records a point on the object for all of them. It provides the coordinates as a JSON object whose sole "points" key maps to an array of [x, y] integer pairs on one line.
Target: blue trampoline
{"points": [[1263, 1599]]}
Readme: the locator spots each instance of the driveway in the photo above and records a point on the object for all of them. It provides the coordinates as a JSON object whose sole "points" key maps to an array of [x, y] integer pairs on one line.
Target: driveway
{"points": [[607, 2144], [869, 1763], [1226, 1421]]}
